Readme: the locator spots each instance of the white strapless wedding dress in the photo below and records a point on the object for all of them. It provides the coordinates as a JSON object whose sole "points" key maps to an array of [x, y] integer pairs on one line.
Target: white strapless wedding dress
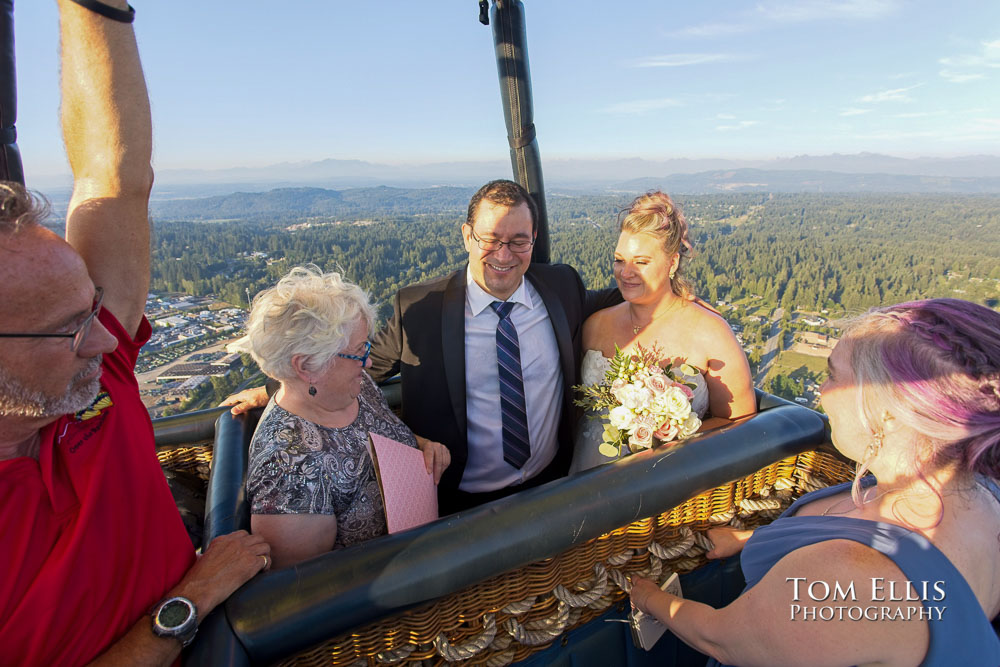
{"points": [[590, 430]]}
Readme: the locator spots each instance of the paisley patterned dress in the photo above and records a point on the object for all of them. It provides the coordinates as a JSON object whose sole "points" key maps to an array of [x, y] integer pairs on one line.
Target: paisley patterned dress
{"points": [[298, 467]]}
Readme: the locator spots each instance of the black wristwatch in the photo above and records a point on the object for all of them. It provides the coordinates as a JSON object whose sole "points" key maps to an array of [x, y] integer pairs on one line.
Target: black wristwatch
{"points": [[175, 618]]}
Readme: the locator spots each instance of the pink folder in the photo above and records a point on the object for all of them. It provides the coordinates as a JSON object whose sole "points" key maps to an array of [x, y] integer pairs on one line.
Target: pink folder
{"points": [[407, 488]]}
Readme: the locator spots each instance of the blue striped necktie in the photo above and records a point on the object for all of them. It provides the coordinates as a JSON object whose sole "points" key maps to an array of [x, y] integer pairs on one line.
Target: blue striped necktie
{"points": [[516, 447]]}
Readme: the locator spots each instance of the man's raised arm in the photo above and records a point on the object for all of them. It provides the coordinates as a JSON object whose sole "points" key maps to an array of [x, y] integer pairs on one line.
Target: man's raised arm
{"points": [[108, 134]]}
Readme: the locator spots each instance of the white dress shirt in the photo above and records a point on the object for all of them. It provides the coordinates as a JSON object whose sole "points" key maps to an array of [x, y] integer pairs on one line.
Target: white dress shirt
{"points": [[543, 387]]}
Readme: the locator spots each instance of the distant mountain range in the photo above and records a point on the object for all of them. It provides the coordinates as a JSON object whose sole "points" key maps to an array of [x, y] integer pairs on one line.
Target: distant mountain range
{"points": [[760, 180], [567, 173], [863, 172]]}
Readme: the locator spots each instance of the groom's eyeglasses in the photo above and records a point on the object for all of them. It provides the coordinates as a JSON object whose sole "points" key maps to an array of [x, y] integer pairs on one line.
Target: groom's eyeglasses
{"points": [[489, 245]]}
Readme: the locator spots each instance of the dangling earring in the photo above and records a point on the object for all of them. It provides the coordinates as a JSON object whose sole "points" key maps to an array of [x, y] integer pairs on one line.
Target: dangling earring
{"points": [[871, 453], [672, 274], [874, 447], [312, 390]]}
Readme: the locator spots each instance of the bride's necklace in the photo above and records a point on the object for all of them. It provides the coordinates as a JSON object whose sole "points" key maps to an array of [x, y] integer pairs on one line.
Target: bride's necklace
{"points": [[636, 328]]}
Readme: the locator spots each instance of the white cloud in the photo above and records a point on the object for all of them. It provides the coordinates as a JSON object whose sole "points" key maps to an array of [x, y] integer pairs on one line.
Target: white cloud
{"points": [[986, 124], [854, 112], [714, 29], [918, 114], [794, 11], [988, 56], [968, 66], [893, 95], [743, 124], [641, 106], [961, 77], [822, 10], [683, 59]]}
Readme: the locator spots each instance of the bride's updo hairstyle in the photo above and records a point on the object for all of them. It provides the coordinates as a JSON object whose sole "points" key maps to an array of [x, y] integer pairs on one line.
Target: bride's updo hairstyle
{"points": [[935, 365], [656, 214]]}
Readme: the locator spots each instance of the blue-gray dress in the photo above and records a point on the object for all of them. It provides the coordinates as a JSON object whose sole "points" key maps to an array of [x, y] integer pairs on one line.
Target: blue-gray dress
{"points": [[962, 636]]}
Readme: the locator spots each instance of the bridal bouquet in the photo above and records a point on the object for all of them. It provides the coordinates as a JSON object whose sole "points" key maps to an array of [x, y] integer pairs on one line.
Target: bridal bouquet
{"points": [[643, 401]]}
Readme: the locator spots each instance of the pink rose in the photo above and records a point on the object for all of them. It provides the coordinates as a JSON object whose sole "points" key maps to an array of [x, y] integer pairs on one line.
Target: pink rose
{"points": [[642, 436], [686, 389], [657, 384], [667, 432], [618, 384]]}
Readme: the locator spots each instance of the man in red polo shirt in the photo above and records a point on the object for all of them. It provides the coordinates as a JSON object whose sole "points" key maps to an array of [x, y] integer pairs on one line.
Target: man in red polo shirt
{"points": [[90, 540]]}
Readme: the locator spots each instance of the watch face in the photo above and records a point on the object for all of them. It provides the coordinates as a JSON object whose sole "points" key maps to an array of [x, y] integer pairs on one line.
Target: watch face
{"points": [[173, 614]]}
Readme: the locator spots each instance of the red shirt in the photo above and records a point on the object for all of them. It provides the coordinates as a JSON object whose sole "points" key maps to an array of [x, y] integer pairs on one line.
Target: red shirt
{"points": [[90, 538]]}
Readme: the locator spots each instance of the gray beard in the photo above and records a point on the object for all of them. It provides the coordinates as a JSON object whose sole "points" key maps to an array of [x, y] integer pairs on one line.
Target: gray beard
{"points": [[17, 400]]}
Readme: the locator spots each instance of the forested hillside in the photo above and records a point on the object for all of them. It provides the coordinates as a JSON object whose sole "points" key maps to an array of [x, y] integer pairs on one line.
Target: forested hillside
{"points": [[813, 251]]}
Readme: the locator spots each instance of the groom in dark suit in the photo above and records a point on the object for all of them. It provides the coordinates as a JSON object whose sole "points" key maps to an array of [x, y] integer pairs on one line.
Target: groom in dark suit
{"points": [[488, 355]]}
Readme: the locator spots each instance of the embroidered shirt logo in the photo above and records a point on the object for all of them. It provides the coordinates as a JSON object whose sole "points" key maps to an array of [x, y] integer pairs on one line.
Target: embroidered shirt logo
{"points": [[101, 402]]}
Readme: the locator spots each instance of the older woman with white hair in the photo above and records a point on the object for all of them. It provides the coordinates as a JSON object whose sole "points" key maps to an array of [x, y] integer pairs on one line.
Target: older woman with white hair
{"points": [[311, 482]]}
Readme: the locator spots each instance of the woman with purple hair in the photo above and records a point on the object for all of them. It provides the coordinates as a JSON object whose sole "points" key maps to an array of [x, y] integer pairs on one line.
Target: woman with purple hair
{"points": [[902, 566]]}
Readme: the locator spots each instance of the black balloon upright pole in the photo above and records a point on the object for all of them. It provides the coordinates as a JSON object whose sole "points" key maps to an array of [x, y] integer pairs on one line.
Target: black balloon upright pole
{"points": [[10, 157], [515, 89]]}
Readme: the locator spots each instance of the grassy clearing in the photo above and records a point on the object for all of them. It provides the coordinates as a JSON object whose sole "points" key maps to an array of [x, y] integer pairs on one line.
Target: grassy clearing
{"points": [[787, 362]]}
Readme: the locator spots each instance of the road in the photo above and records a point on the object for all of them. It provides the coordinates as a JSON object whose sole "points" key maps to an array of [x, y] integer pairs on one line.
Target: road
{"points": [[770, 347]]}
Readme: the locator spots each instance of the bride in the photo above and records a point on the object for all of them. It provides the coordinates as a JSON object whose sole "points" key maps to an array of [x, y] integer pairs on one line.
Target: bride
{"points": [[652, 251]]}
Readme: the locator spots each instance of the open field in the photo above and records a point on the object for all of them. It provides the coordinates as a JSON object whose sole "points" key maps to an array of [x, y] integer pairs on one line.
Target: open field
{"points": [[789, 361], [806, 350]]}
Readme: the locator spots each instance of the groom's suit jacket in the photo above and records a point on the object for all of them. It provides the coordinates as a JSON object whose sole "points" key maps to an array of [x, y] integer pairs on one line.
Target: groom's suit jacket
{"points": [[424, 342]]}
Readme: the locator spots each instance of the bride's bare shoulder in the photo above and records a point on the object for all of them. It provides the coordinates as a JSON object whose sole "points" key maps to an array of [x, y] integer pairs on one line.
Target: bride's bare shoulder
{"points": [[706, 316], [600, 326]]}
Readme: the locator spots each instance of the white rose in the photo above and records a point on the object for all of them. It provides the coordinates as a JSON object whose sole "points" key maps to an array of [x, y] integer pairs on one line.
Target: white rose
{"points": [[621, 418], [690, 425], [677, 405]]}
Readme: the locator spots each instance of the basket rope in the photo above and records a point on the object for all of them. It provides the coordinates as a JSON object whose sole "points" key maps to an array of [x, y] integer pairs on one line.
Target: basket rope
{"points": [[456, 652], [542, 631], [524, 605], [586, 595], [396, 655], [676, 548]]}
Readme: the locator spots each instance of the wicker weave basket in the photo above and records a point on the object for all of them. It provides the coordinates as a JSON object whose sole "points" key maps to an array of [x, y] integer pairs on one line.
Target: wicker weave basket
{"points": [[509, 617], [194, 459]]}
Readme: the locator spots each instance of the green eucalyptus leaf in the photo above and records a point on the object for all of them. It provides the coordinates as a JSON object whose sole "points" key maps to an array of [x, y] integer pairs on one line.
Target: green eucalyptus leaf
{"points": [[608, 450]]}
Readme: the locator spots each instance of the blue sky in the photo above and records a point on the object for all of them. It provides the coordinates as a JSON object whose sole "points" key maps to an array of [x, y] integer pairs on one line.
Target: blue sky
{"points": [[253, 83]]}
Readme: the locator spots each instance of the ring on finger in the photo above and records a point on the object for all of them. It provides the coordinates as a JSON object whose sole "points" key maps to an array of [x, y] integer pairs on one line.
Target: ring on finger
{"points": [[267, 561]]}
